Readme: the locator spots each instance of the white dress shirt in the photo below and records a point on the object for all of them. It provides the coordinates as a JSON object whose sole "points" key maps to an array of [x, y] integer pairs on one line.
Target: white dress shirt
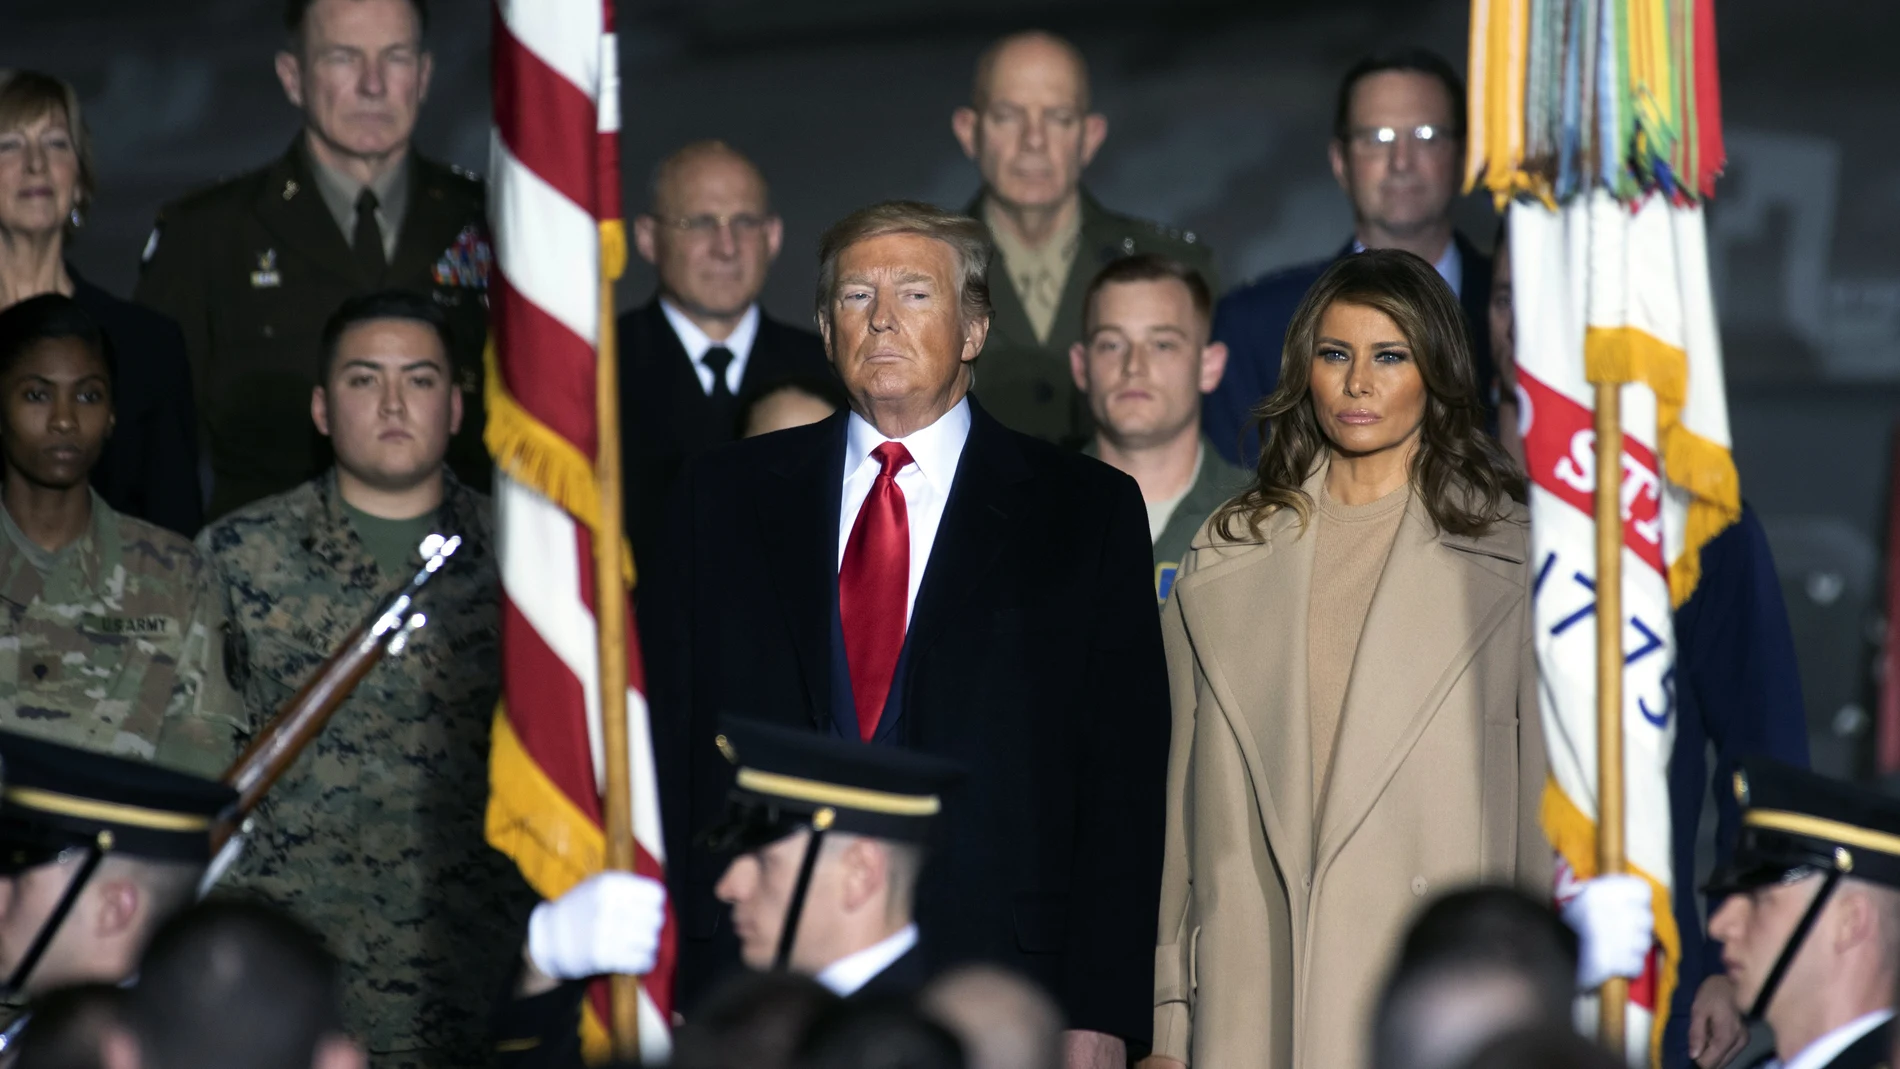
{"points": [[851, 972], [1819, 1053], [925, 481], [1450, 265], [695, 341]]}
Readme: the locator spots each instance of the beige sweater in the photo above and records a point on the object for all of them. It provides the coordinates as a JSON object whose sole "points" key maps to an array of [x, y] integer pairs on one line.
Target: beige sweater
{"points": [[1349, 555]]}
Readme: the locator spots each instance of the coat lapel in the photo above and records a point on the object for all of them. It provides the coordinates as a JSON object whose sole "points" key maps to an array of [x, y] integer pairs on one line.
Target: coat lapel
{"points": [[798, 525], [293, 210], [1260, 591], [974, 530], [1401, 670], [429, 226]]}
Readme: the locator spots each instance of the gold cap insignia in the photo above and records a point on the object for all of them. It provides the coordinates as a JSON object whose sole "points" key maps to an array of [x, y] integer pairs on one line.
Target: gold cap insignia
{"points": [[725, 749], [823, 817], [1741, 787]]}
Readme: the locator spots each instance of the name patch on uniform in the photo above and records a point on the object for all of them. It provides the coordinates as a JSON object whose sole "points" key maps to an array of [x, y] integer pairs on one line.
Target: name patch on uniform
{"points": [[466, 262], [266, 274], [136, 626]]}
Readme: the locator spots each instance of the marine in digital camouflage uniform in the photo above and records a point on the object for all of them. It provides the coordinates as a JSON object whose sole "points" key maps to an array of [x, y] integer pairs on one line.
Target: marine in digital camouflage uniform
{"points": [[112, 644], [375, 835]]}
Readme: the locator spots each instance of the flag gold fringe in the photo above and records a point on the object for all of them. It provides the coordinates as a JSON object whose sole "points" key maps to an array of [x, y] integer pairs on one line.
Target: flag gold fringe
{"points": [[1702, 467], [549, 839], [1574, 835]]}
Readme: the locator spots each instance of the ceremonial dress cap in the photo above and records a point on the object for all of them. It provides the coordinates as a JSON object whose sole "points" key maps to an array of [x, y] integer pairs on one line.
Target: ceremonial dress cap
{"points": [[786, 780], [1796, 822], [58, 797]]}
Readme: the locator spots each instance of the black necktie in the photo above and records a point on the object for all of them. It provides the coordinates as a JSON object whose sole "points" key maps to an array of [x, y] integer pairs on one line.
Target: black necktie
{"points": [[724, 408], [367, 243]]}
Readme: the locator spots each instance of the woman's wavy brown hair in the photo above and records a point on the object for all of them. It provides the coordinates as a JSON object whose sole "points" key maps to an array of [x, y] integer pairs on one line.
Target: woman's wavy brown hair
{"points": [[1460, 472]]}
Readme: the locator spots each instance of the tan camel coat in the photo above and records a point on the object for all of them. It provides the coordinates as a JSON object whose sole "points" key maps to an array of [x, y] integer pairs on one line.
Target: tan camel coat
{"points": [[1276, 933]]}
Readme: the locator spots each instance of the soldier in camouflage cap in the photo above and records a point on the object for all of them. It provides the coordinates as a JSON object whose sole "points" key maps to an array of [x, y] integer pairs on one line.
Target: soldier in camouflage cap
{"points": [[107, 623], [374, 837]]}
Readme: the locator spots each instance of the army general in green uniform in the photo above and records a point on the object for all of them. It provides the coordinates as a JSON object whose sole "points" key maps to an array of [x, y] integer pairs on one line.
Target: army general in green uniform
{"points": [[251, 267], [1030, 131], [109, 626], [375, 836]]}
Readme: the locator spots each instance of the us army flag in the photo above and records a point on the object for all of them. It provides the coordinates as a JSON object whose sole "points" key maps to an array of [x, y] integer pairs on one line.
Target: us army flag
{"points": [[1607, 292]]}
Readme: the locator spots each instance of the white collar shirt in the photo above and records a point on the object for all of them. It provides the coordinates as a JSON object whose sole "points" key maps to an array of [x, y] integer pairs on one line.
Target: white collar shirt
{"points": [[1821, 1052], [851, 972], [1450, 265], [925, 481], [696, 344]]}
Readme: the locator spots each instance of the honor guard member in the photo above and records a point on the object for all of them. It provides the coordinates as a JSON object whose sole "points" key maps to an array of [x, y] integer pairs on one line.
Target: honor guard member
{"points": [[96, 852], [251, 266], [113, 631], [1029, 128], [375, 836], [1811, 925], [828, 837]]}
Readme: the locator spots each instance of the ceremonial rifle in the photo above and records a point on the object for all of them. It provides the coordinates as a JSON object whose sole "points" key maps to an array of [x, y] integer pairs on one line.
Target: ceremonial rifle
{"points": [[303, 717]]}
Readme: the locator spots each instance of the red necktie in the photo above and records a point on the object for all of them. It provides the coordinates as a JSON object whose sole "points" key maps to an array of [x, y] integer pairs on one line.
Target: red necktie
{"points": [[873, 583]]}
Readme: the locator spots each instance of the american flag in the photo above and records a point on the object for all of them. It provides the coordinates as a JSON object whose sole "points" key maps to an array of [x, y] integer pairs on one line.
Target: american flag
{"points": [[554, 208]]}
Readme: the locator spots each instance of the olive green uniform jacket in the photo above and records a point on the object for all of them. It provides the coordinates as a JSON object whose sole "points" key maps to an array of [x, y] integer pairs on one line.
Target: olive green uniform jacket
{"points": [[1026, 383], [1213, 486], [251, 269], [375, 835]]}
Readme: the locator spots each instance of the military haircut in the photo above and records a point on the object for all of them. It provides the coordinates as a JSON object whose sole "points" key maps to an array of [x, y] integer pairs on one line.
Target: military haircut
{"points": [[371, 307], [1412, 60], [660, 180], [234, 984], [987, 59], [296, 11], [44, 318], [1151, 267]]}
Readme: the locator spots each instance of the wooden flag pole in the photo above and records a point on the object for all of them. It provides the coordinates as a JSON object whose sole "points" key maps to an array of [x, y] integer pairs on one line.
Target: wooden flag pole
{"points": [[1613, 997], [610, 615]]}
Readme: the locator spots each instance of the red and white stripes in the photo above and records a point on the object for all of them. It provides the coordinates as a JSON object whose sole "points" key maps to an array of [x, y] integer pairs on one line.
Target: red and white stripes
{"points": [[554, 209]]}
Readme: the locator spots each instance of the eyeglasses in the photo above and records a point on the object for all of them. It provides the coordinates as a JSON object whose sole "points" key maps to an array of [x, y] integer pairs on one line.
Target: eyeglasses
{"points": [[742, 225], [1373, 138]]}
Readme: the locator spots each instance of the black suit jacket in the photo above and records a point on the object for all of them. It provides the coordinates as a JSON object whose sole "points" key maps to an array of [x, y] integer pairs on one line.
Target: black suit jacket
{"points": [[150, 465], [1870, 1051], [666, 416], [1033, 659]]}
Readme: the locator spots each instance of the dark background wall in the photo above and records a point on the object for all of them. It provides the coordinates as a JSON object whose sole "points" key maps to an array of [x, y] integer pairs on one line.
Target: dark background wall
{"points": [[1218, 117]]}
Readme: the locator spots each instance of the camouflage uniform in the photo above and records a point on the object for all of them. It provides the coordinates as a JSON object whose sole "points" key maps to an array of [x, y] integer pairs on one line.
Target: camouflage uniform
{"points": [[375, 835], [114, 647]]}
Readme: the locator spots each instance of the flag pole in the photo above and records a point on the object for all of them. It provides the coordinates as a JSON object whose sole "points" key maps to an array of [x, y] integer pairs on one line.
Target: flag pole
{"points": [[610, 613], [1613, 997]]}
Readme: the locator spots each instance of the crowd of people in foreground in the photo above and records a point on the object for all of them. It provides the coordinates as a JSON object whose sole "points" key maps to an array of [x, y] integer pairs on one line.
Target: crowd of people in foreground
{"points": [[1051, 660]]}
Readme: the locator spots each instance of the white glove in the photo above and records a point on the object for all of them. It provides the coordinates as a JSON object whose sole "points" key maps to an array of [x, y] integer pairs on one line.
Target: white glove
{"points": [[1615, 925], [609, 923]]}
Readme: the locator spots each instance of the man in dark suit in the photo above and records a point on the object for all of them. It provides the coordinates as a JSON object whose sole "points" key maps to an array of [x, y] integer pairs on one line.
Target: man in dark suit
{"points": [[252, 267], [912, 573], [688, 354], [1397, 151]]}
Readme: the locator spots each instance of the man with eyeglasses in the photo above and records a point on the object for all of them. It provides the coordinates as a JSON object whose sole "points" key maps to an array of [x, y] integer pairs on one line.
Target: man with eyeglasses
{"points": [[1397, 150], [691, 353], [251, 267]]}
